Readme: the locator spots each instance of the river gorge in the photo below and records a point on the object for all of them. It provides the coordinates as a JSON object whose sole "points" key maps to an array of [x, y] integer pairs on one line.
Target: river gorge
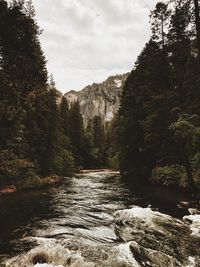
{"points": [[96, 219]]}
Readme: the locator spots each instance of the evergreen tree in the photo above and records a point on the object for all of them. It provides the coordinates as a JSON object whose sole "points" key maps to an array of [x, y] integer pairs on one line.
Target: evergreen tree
{"points": [[159, 23], [76, 133], [112, 143], [11, 111], [192, 85], [29, 115], [64, 113], [98, 137], [23, 60], [53, 130], [143, 91], [164, 83], [179, 51], [22, 72], [186, 132]]}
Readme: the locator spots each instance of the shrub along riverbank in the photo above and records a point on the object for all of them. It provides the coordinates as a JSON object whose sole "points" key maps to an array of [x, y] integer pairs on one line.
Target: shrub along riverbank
{"points": [[174, 176], [31, 183]]}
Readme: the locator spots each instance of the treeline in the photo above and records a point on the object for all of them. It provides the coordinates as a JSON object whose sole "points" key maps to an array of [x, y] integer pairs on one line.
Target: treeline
{"points": [[160, 107], [32, 139], [38, 136]]}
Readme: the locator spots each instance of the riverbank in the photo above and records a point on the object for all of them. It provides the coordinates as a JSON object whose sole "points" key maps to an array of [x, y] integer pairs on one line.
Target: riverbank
{"points": [[36, 182], [175, 177], [30, 184]]}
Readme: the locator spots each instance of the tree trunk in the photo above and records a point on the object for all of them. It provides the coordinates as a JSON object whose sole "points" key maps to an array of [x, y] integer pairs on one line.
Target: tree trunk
{"points": [[197, 23], [188, 169]]}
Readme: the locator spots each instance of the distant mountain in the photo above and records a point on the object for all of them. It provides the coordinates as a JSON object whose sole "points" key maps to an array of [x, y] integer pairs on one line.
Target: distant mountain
{"points": [[100, 99]]}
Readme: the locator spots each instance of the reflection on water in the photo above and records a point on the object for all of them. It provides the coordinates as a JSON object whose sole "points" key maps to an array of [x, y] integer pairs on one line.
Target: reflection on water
{"points": [[91, 220]]}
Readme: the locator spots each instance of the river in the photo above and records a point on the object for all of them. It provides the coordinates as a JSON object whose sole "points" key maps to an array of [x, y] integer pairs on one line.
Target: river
{"points": [[96, 219]]}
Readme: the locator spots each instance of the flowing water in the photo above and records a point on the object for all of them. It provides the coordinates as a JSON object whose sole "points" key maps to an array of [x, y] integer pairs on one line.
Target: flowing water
{"points": [[96, 220]]}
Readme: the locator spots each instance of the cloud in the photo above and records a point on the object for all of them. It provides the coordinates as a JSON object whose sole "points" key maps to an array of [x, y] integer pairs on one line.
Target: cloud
{"points": [[85, 41]]}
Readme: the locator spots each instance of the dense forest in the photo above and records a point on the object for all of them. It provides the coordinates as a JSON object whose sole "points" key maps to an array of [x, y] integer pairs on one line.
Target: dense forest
{"points": [[160, 106], [156, 134], [39, 137], [121, 189]]}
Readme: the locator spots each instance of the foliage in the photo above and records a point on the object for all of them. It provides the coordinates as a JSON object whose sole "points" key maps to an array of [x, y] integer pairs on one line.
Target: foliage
{"points": [[159, 118], [76, 133], [64, 163], [14, 168], [96, 133], [159, 113], [143, 112], [31, 181], [32, 125], [64, 114], [173, 175], [159, 22], [113, 162], [112, 143], [195, 162], [186, 131]]}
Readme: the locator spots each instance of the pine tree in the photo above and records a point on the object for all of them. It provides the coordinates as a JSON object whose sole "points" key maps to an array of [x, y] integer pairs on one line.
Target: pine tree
{"points": [[159, 23], [22, 72], [186, 132], [24, 61], [143, 106], [164, 83], [112, 143], [31, 106], [64, 113], [179, 47], [11, 111], [98, 137], [76, 132]]}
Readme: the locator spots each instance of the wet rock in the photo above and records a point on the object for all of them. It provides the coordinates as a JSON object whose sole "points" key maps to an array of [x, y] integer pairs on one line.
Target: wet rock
{"points": [[156, 231], [40, 258], [194, 211], [150, 258]]}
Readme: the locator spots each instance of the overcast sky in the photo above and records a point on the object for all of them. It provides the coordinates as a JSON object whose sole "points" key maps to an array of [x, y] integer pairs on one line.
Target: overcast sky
{"points": [[86, 41]]}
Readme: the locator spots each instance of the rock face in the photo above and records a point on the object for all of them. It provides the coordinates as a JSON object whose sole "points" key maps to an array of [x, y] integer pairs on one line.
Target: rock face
{"points": [[99, 99], [59, 97]]}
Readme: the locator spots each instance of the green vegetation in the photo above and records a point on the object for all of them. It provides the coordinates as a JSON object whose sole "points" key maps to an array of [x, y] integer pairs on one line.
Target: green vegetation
{"points": [[103, 140], [30, 118], [160, 110], [173, 176], [156, 133], [39, 137]]}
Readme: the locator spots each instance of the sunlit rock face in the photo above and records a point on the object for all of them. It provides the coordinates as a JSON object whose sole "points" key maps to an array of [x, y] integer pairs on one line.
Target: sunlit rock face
{"points": [[99, 99], [59, 96]]}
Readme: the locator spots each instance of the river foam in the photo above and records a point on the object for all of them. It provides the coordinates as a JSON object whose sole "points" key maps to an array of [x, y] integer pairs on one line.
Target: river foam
{"points": [[194, 221], [145, 219], [145, 214], [93, 221], [132, 226]]}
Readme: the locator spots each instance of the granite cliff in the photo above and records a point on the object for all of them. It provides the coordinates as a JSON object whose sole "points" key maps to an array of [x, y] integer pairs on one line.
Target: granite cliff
{"points": [[99, 99]]}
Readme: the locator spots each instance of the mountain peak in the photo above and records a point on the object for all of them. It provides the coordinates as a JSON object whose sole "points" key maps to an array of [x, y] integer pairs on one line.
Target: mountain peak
{"points": [[99, 99]]}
